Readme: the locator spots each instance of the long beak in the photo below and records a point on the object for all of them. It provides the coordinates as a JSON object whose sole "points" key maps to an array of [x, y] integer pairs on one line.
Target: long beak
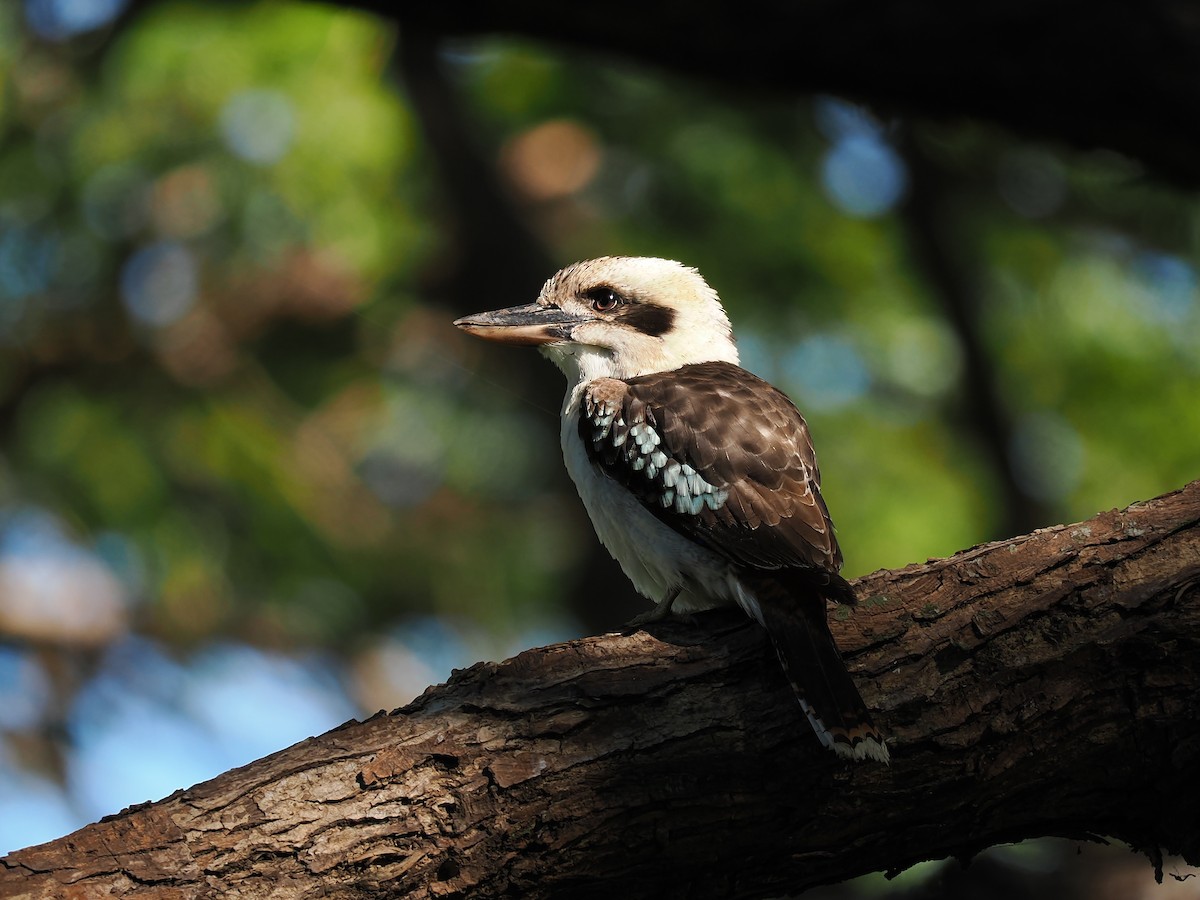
{"points": [[532, 324]]}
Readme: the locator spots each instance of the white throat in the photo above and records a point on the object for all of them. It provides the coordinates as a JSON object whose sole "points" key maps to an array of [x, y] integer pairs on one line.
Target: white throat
{"points": [[582, 363]]}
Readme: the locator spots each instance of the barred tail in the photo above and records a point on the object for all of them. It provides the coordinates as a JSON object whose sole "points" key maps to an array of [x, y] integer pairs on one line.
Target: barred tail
{"points": [[800, 633]]}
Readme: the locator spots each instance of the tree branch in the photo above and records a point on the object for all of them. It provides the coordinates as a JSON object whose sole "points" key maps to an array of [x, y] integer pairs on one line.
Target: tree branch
{"points": [[1041, 685], [1109, 74]]}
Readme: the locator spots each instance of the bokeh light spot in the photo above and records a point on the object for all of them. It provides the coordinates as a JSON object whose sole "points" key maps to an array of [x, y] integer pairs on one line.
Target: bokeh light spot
{"points": [[863, 176], [27, 262], [60, 20], [1047, 455], [158, 283], [923, 356], [1165, 288], [25, 693], [258, 125], [52, 589], [827, 371], [554, 159], [836, 120], [184, 202]]}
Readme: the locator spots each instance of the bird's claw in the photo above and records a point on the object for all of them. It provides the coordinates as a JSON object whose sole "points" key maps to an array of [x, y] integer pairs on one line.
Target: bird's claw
{"points": [[661, 610]]}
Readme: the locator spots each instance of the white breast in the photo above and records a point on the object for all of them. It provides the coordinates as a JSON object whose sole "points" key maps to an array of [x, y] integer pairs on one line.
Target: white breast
{"points": [[656, 558]]}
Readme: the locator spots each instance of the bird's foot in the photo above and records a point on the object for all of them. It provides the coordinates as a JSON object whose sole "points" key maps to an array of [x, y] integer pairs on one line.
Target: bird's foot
{"points": [[661, 610]]}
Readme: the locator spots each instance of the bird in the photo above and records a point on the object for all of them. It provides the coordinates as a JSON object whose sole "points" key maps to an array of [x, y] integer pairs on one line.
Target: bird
{"points": [[699, 477]]}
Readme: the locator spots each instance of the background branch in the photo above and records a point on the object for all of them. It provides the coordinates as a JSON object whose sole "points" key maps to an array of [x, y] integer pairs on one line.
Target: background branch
{"points": [[1041, 685], [1119, 82], [938, 251]]}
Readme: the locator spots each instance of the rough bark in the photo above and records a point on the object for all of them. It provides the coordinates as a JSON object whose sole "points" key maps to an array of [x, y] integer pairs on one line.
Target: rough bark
{"points": [[1042, 685]]}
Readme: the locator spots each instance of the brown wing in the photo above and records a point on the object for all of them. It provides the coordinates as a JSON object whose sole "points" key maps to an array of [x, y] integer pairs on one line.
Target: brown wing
{"points": [[722, 457]]}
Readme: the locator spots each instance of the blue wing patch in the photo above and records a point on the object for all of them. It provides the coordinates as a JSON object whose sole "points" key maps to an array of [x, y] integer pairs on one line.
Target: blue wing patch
{"points": [[636, 448]]}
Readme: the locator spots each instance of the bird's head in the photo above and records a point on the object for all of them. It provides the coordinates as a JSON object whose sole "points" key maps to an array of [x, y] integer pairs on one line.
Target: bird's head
{"points": [[618, 316]]}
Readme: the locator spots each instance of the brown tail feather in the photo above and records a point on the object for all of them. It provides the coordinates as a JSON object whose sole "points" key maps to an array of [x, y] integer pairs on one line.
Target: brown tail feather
{"points": [[795, 620]]}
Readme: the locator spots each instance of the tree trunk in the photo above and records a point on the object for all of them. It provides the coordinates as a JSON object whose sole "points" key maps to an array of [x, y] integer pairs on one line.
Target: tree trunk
{"points": [[1045, 685]]}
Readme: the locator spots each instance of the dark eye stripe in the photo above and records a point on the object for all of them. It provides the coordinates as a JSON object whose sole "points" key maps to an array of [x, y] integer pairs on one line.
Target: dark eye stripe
{"points": [[644, 316], [649, 318]]}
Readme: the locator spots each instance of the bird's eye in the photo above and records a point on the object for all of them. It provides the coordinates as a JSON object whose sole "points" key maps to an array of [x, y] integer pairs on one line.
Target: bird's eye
{"points": [[604, 299]]}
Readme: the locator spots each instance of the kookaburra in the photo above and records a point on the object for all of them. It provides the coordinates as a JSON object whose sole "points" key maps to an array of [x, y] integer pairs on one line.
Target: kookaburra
{"points": [[699, 477]]}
